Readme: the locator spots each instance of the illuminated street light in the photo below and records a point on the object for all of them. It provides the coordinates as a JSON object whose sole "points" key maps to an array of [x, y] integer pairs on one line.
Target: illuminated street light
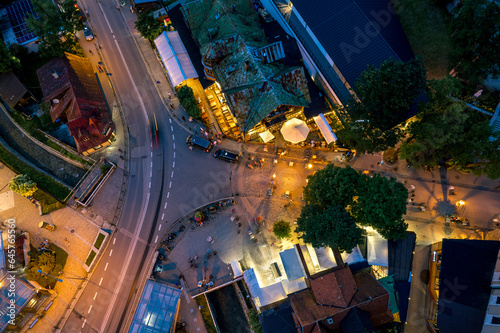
{"points": [[274, 175], [309, 166], [460, 203]]}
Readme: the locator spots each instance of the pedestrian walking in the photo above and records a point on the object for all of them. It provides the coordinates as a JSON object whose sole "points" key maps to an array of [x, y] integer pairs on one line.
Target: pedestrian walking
{"points": [[169, 96], [91, 53], [412, 187]]}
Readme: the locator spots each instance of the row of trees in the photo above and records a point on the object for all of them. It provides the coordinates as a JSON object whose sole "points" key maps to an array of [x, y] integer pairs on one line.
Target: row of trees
{"points": [[339, 201], [445, 128]]}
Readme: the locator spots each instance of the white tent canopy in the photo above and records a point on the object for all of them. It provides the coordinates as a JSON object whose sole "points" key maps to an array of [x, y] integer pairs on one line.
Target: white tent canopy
{"points": [[266, 136], [378, 249], [175, 58], [295, 130], [325, 128]]}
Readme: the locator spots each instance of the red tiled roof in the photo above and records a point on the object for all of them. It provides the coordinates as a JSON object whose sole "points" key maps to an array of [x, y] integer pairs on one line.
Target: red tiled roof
{"points": [[81, 103], [370, 296], [336, 288]]}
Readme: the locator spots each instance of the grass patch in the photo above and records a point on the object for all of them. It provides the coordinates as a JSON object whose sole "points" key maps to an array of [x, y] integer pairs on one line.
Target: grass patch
{"points": [[48, 202], [90, 258], [205, 313], [61, 255], [98, 241], [47, 183], [30, 126], [426, 26]]}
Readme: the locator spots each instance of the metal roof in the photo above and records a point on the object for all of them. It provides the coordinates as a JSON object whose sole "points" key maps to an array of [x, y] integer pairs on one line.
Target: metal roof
{"points": [[157, 308], [175, 57], [11, 89], [24, 292], [354, 33]]}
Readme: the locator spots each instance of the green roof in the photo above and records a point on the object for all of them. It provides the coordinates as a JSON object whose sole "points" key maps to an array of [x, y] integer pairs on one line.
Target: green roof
{"points": [[228, 33]]}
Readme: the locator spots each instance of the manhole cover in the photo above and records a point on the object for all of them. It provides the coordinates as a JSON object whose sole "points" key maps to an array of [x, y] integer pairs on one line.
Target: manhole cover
{"points": [[72, 231], [92, 215]]}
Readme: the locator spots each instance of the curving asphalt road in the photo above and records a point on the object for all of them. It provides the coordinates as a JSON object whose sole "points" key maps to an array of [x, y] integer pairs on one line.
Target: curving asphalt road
{"points": [[166, 181]]}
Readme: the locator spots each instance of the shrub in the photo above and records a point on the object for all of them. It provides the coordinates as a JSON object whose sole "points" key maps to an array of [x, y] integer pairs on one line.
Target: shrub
{"points": [[282, 229], [188, 101], [254, 321], [23, 185]]}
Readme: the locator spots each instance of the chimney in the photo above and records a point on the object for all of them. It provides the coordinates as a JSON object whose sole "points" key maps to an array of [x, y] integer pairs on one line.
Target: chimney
{"points": [[247, 65], [54, 74]]}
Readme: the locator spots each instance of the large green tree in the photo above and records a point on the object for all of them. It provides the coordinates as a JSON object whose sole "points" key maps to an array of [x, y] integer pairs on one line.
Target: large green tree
{"points": [[332, 227], [55, 26], [23, 185], [8, 62], [476, 38], [449, 131], [188, 101], [381, 204], [282, 229], [337, 199], [148, 26], [385, 96]]}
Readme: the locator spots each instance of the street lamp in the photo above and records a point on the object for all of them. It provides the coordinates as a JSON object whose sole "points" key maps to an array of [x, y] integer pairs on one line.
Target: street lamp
{"points": [[460, 203], [274, 176], [309, 166]]}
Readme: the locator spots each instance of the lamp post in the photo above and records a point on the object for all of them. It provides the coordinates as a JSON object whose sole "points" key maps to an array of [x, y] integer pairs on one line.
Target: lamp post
{"points": [[58, 279]]}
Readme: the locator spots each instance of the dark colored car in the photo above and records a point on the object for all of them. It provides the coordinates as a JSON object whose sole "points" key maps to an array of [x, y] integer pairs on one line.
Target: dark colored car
{"points": [[199, 143], [89, 35], [226, 156]]}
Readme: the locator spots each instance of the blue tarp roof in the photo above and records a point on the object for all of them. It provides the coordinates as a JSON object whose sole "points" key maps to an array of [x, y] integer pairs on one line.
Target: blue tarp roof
{"points": [[156, 310], [356, 33]]}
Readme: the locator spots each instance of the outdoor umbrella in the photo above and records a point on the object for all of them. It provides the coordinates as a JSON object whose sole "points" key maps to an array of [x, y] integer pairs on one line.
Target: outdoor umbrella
{"points": [[266, 136], [295, 130]]}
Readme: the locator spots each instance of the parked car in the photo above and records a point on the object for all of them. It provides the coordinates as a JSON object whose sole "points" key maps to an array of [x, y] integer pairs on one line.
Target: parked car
{"points": [[226, 156], [89, 35], [199, 143]]}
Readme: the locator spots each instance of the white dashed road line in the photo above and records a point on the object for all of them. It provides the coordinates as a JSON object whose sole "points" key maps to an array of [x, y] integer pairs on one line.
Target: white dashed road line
{"points": [[165, 207], [173, 164], [170, 185], [151, 156], [173, 137], [162, 216], [174, 154], [95, 296], [106, 267], [156, 239], [110, 253], [84, 321], [114, 240], [100, 281], [172, 128], [90, 309], [159, 227], [149, 184], [170, 119], [168, 195], [172, 175], [174, 145]]}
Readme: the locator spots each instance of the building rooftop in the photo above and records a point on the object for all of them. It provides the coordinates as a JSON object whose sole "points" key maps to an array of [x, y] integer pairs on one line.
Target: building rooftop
{"points": [[17, 12], [356, 33], [245, 64], [157, 308], [11, 89], [71, 86], [467, 268]]}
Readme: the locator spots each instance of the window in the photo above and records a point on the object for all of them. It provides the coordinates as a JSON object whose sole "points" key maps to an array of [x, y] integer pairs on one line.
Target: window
{"points": [[329, 321], [498, 300], [495, 320]]}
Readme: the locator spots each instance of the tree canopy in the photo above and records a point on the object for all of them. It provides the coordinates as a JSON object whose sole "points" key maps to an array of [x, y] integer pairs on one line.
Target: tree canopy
{"points": [[8, 62], [386, 95], [332, 227], [188, 101], [148, 26], [23, 185], [282, 229], [55, 26], [476, 38], [447, 130], [337, 199]]}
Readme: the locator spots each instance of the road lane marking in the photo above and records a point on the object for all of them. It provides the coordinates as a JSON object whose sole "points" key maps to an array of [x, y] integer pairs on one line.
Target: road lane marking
{"points": [[150, 173], [173, 164], [110, 253], [170, 185], [84, 321], [100, 281], [90, 309], [172, 175], [95, 295], [174, 145], [151, 156], [105, 268], [125, 267], [170, 119], [165, 207], [174, 154], [171, 128], [168, 195], [149, 184], [159, 228], [151, 163], [173, 137], [195, 320], [162, 217], [156, 239], [114, 240]]}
